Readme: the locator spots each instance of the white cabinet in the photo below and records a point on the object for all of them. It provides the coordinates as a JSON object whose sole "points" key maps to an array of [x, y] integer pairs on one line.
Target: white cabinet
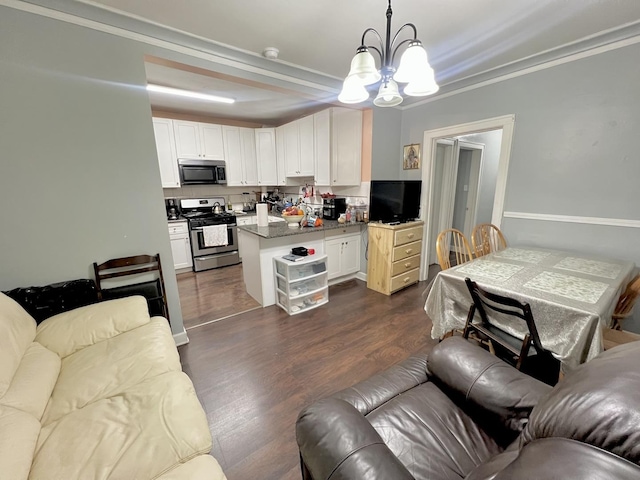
{"points": [[343, 252], [346, 146], [298, 148], [266, 156], [280, 154], [180, 245], [200, 141], [322, 147], [167, 156], [301, 286], [240, 152]]}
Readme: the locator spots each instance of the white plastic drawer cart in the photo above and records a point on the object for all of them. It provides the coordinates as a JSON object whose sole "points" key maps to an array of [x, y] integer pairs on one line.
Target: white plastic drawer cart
{"points": [[301, 285]]}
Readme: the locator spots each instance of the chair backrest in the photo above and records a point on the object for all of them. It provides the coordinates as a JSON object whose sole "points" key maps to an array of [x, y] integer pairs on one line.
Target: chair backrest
{"points": [[452, 241], [487, 238], [484, 301], [120, 267], [627, 300]]}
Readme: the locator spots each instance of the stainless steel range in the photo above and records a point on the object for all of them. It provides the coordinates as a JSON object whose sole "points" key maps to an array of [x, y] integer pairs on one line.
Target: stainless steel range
{"points": [[199, 213]]}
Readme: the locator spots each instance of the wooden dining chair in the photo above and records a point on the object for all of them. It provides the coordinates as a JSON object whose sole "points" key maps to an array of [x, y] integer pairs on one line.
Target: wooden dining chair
{"points": [[153, 290], [452, 241], [625, 304], [487, 238], [527, 354]]}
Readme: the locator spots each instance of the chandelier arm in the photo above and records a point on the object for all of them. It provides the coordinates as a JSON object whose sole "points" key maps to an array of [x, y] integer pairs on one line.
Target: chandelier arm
{"points": [[371, 47], [410, 25], [395, 50]]}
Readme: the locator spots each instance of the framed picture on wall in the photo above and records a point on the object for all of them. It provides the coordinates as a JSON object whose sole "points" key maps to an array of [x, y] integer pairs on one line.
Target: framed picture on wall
{"points": [[411, 157]]}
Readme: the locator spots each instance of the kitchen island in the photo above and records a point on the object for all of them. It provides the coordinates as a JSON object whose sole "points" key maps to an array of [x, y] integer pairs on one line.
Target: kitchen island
{"points": [[261, 244]]}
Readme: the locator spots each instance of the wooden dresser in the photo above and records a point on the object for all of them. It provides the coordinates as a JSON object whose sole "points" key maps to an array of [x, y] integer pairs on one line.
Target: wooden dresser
{"points": [[394, 256]]}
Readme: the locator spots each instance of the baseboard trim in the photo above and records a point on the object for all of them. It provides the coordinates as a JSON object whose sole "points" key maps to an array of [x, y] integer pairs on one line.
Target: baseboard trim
{"points": [[361, 276], [609, 222], [181, 338]]}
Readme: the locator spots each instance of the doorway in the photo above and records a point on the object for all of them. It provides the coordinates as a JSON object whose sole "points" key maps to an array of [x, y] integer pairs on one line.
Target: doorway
{"points": [[455, 192], [455, 195]]}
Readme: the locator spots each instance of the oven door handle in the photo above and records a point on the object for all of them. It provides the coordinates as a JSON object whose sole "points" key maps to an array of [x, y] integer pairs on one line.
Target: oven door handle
{"points": [[199, 229]]}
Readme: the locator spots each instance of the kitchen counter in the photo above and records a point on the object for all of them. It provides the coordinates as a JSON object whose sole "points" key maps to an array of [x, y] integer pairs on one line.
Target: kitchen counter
{"points": [[282, 229], [177, 220]]}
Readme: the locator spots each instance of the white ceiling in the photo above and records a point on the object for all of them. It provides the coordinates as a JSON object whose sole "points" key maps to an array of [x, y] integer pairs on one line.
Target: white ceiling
{"points": [[462, 37]]}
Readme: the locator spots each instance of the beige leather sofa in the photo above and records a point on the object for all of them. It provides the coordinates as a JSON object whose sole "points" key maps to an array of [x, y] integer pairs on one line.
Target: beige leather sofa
{"points": [[97, 393]]}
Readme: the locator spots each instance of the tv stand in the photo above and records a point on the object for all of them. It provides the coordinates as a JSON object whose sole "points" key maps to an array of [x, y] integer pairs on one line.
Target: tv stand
{"points": [[394, 255]]}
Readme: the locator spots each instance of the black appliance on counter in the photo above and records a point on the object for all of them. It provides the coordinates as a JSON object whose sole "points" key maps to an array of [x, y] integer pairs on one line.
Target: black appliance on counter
{"points": [[172, 209], [199, 214], [333, 207]]}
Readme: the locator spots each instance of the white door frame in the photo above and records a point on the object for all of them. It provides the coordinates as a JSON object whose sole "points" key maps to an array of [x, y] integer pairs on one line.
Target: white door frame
{"points": [[506, 124]]}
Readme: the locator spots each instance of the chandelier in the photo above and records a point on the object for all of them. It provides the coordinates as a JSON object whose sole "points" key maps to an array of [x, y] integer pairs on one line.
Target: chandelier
{"points": [[414, 69]]}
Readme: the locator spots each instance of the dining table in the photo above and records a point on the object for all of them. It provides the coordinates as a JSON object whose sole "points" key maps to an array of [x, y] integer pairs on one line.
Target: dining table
{"points": [[572, 296]]}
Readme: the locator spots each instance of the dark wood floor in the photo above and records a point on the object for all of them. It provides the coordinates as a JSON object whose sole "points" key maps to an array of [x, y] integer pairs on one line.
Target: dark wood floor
{"points": [[254, 372], [213, 294]]}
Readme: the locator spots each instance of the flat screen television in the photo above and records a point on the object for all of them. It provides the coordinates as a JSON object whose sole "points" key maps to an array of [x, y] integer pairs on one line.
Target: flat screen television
{"points": [[394, 200]]}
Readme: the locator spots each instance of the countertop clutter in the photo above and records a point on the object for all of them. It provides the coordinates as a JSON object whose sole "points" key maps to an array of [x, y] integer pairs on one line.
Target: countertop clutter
{"points": [[281, 229]]}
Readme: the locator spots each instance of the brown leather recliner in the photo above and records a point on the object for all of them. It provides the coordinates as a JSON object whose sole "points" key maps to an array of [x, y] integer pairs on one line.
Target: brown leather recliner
{"points": [[461, 413]]}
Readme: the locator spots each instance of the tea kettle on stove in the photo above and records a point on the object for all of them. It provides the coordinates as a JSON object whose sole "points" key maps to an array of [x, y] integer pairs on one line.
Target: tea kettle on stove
{"points": [[217, 208]]}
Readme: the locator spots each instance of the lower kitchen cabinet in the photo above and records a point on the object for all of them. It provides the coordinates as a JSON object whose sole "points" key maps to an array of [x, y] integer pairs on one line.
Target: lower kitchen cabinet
{"points": [[180, 245], [343, 251]]}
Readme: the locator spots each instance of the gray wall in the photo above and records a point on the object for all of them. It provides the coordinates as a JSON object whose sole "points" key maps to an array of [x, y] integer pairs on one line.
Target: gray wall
{"points": [[574, 149], [386, 150], [79, 176]]}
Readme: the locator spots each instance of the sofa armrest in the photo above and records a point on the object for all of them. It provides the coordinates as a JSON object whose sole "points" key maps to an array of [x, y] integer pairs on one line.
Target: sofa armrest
{"points": [[71, 331], [378, 389], [568, 460], [336, 441], [483, 381]]}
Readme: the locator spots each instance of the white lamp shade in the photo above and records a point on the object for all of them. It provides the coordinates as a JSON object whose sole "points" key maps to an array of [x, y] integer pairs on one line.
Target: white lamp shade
{"points": [[413, 64], [363, 66], [353, 90], [426, 85], [388, 96]]}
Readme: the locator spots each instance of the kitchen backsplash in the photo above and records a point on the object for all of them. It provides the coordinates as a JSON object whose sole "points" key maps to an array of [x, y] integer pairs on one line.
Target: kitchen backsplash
{"points": [[357, 195]]}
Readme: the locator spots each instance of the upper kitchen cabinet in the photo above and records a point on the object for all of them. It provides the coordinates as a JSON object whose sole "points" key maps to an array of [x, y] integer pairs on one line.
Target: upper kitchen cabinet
{"points": [[167, 156], [199, 141], [346, 146], [240, 152], [322, 147], [298, 148], [266, 156]]}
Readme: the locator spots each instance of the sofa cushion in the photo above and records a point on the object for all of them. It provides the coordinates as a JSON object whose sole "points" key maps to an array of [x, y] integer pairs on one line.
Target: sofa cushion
{"points": [[432, 437], [110, 367], [203, 467], [17, 331], [68, 332], [598, 404], [143, 432], [18, 437], [33, 381]]}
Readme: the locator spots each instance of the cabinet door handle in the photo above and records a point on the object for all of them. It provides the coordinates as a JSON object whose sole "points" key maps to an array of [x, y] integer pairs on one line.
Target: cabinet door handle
{"points": [[406, 279], [409, 250], [410, 235], [407, 265]]}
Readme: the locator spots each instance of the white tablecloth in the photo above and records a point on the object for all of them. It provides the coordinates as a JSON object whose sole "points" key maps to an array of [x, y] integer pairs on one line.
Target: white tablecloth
{"points": [[572, 296]]}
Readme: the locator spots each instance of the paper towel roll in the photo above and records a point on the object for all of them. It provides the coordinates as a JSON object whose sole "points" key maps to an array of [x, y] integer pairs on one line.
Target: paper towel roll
{"points": [[262, 211]]}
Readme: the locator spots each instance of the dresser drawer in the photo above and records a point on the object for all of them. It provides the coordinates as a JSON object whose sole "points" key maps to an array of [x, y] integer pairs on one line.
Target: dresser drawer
{"points": [[403, 266], [405, 279], [178, 227], [408, 235], [408, 250]]}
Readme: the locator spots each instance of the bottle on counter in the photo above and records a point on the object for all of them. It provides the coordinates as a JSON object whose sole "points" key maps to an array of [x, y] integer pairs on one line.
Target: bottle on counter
{"points": [[348, 214]]}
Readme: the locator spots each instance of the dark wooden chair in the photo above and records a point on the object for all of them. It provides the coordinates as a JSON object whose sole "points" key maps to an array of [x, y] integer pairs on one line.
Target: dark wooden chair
{"points": [[527, 354], [153, 290]]}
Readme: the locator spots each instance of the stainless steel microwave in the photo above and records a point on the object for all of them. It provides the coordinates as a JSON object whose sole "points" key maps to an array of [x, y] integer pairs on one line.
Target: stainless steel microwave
{"points": [[202, 172]]}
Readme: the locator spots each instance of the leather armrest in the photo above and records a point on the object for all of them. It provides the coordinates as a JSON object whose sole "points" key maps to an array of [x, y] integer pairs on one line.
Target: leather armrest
{"points": [[379, 389], [568, 460], [483, 381], [74, 330], [336, 441]]}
